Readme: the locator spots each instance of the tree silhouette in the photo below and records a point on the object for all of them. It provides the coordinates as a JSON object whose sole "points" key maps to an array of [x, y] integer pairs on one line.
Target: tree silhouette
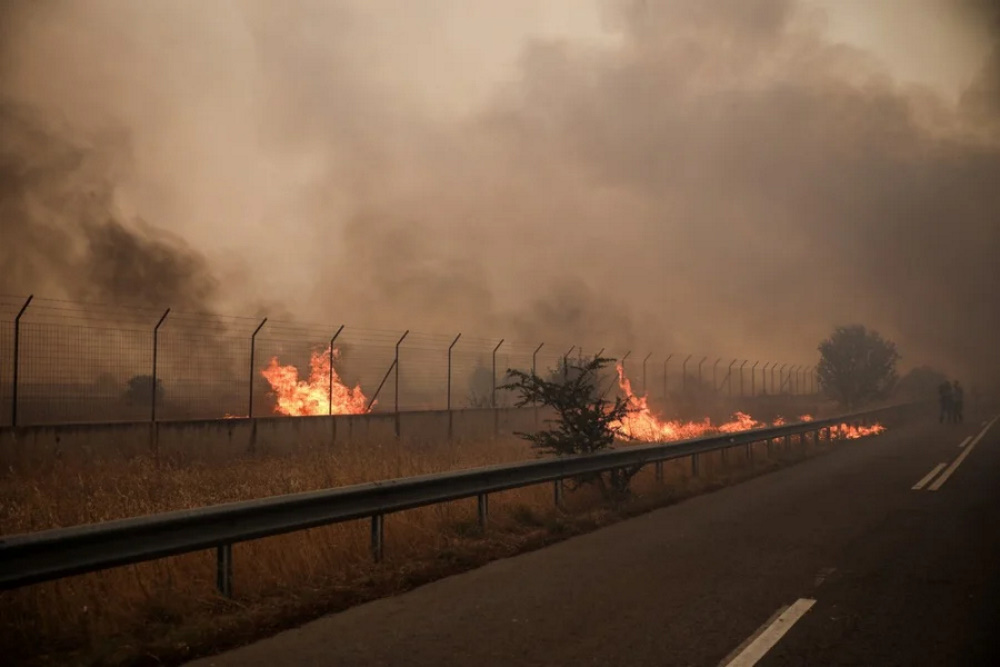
{"points": [[857, 366], [585, 422]]}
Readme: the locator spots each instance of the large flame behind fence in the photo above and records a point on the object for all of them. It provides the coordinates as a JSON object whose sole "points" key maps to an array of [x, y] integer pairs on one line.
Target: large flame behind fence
{"points": [[321, 394]]}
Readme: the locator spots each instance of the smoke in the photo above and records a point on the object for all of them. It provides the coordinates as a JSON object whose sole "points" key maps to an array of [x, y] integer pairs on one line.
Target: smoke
{"points": [[64, 236], [720, 176]]}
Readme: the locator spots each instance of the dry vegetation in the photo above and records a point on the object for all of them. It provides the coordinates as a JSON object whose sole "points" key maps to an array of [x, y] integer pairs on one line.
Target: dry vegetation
{"points": [[168, 610]]}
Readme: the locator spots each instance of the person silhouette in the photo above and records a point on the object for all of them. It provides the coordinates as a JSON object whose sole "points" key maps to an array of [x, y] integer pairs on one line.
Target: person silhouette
{"points": [[945, 397], [957, 402]]}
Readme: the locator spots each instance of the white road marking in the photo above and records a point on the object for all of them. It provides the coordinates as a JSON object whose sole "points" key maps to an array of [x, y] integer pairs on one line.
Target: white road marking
{"points": [[926, 479], [966, 441], [770, 634], [939, 482]]}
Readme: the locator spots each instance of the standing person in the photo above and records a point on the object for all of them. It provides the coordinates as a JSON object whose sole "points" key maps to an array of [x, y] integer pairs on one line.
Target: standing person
{"points": [[957, 398], [945, 396]]}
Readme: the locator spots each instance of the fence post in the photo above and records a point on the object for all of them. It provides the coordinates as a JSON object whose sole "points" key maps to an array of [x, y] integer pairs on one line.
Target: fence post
{"points": [[253, 353], [156, 340], [700, 363], [753, 379], [17, 359], [534, 373], [493, 393], [729, 378], [773, 367], [684, 374], [645, 389], [745, 362], [715, 374], [666, 363], [396, 393], [566, 364], [450, 415], [332, 341]]}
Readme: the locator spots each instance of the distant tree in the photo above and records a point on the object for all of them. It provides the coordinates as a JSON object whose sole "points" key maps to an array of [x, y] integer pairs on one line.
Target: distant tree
{"points": [[139, 390], [857, 366], [585, 422]]}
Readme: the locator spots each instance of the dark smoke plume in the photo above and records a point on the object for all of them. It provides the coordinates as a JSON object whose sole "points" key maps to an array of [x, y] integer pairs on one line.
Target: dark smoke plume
{"points": [[63, 236]]}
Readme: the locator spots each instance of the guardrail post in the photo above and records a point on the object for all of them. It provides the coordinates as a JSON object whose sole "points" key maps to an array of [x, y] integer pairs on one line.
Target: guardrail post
{"points": [[694, 465], [224, 569], [558, 493], [749, 452], [378, 537], [788, 443], [483, 509], [659, 471], [17, 359]]}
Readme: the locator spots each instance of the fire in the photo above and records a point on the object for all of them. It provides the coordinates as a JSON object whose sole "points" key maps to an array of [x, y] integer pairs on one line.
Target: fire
{"points": [[298, 398], [641, 424], [855, 432]]}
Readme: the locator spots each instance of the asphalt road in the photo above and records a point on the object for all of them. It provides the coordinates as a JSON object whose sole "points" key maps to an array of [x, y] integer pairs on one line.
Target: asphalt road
{"points": [[889, 575]]}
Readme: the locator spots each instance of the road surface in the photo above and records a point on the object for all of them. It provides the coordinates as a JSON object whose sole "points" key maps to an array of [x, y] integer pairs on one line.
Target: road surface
{"points": [[838, 560]]}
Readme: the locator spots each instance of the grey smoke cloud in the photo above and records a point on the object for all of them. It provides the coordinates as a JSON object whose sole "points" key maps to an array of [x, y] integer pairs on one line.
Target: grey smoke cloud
{"points": [[721, 177]]}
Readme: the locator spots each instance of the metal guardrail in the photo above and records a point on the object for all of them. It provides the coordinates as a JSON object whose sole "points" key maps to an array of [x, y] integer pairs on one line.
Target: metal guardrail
{"points": [[54, 554]]}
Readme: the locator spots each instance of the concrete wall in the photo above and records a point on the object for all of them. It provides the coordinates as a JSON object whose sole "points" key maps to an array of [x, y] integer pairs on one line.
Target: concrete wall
{"points": [[225, 439], [221, 439]]}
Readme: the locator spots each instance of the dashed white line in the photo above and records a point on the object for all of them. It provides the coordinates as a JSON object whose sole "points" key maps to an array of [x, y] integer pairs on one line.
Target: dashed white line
{"points": [[926, 479], [966, 441], [939, 482], [769, 635]]}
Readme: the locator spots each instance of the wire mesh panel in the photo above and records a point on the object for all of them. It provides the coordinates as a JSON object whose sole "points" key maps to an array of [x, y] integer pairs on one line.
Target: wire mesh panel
{"points": [[95, 363], [81, 364], [203, 367]]}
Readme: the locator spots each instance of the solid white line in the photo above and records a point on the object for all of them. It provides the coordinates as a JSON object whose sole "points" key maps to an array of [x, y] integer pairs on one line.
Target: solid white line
{"points": [[939, 482], [966, 441], [929, 476], [770, 635]]}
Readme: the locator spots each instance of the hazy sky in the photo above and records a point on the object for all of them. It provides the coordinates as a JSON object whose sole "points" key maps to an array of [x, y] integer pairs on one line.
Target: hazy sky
{"points": [[733, 176]]}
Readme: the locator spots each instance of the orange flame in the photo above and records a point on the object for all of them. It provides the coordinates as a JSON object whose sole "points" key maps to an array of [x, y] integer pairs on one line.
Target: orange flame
{"points": [[641, 424], [298, 398], [855, 432]]}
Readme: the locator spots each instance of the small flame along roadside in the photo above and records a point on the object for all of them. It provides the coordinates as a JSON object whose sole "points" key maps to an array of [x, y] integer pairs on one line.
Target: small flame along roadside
{"points": [[642, 425]]}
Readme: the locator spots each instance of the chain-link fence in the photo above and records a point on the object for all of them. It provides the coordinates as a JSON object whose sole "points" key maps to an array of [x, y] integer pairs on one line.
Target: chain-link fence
{"points": [[64, 362]]}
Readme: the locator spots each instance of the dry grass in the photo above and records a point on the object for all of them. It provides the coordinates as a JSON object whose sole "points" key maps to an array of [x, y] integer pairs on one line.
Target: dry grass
{"points": [[169, 608]]}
